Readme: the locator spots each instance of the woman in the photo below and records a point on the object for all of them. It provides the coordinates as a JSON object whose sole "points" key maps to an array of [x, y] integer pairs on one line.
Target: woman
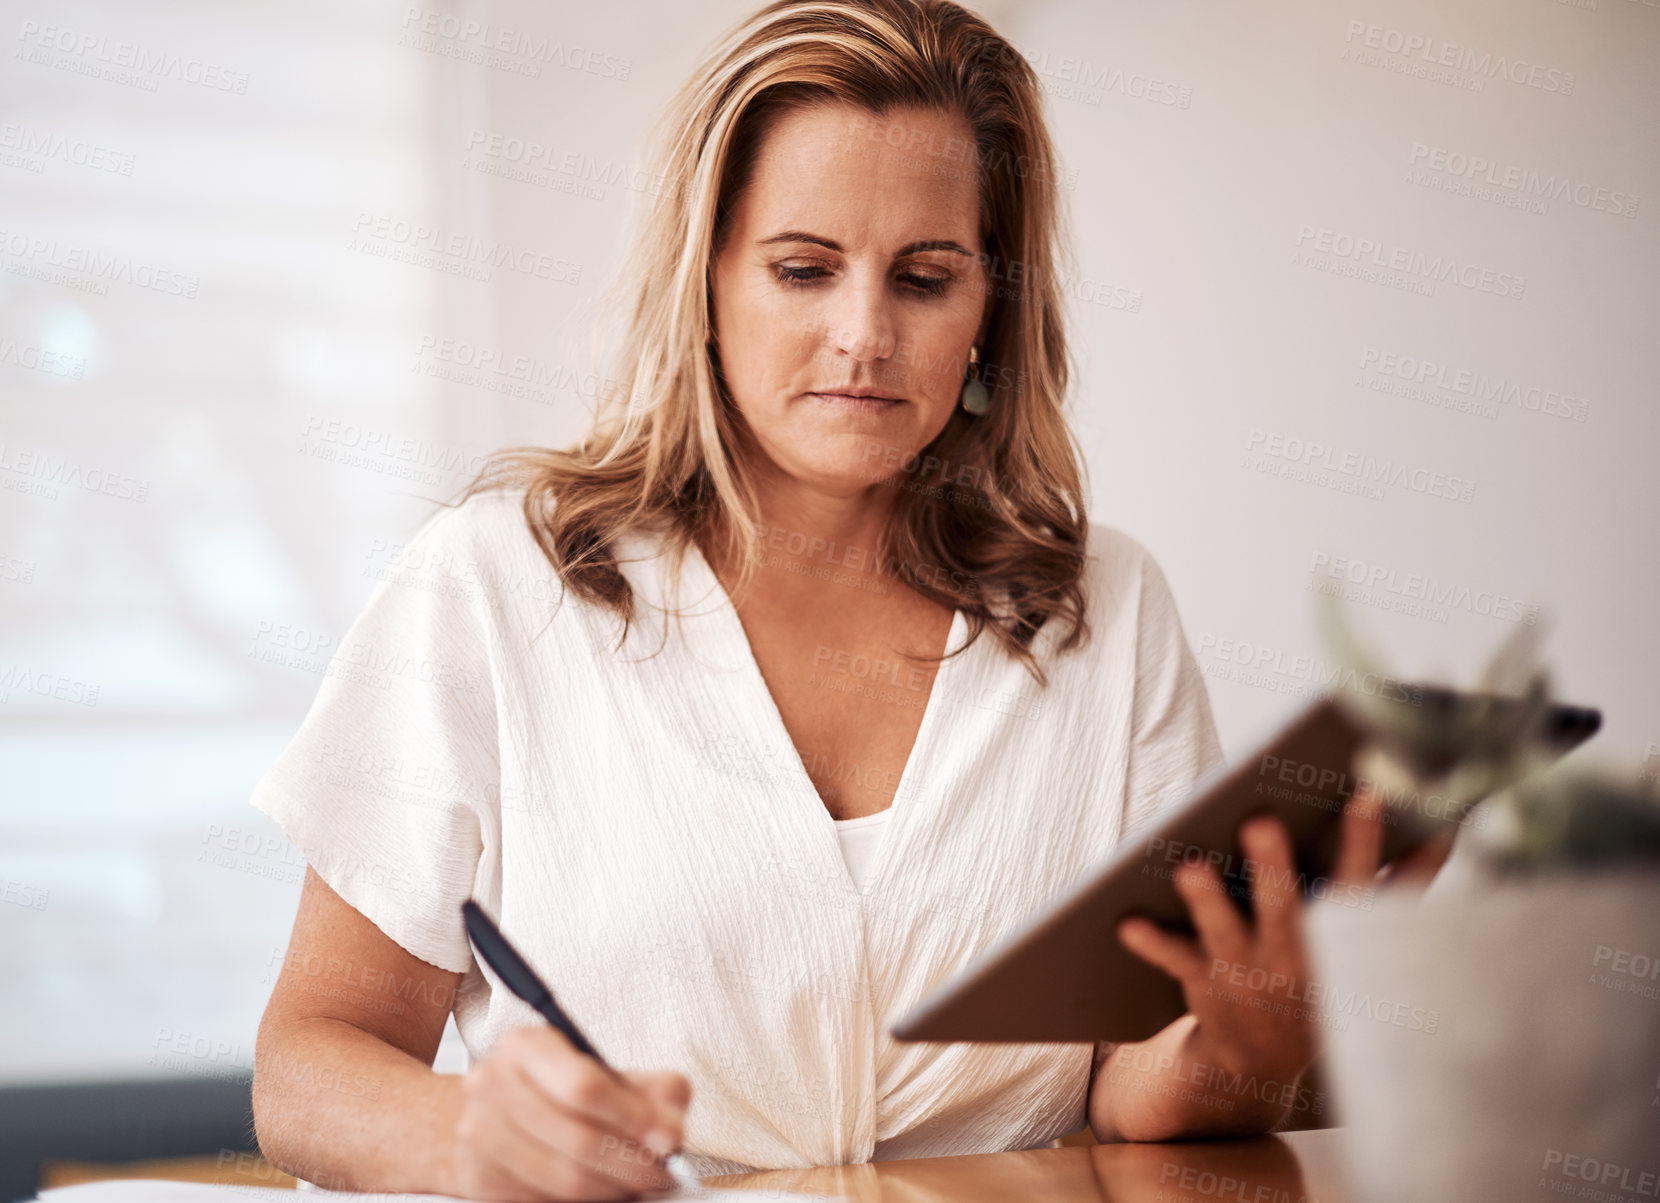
{"points": [[837, 456]]}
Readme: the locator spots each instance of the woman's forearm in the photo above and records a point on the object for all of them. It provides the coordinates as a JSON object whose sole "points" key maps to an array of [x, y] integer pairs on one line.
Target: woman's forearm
{"points": [[342, 1108], [1171, 1086]]}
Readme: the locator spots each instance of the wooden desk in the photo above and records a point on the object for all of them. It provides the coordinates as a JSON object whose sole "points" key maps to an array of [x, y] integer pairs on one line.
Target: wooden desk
{"points": [[1294, 1167]]}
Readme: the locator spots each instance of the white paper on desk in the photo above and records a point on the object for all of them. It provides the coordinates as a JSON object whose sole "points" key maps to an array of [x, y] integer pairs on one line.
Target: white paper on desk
{"points": [[155, 1190]]}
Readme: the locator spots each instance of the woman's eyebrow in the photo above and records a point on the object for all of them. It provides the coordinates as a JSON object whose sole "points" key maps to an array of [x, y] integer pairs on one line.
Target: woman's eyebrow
{"points": [[927, 244]]}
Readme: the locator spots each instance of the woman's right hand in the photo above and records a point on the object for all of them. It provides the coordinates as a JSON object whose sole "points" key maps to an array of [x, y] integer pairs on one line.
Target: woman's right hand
{"points": [[541, 1121]]}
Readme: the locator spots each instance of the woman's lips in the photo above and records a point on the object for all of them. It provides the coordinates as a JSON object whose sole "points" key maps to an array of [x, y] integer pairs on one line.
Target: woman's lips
{"points": [[863, 404]]}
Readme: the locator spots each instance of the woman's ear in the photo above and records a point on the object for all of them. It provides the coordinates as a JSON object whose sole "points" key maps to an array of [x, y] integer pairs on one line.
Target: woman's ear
{"points": [[988, 310], [984, 332]]}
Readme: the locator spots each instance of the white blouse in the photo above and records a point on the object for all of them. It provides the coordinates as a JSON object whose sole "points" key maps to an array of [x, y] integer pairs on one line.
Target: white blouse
{"points": [[645, 832]]}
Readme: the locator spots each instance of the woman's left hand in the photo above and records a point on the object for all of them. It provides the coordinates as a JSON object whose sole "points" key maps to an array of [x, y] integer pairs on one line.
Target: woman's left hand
{"points": [[1246, 980]]}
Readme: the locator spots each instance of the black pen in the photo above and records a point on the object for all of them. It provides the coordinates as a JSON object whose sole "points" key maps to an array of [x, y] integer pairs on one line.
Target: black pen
{"points": [[520, 978]]}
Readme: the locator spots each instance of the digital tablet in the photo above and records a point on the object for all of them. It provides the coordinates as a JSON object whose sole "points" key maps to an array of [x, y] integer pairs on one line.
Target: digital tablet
{"points": [[1065, 977]]}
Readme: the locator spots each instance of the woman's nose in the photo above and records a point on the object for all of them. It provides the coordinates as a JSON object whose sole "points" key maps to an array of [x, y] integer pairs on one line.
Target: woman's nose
{"points": [[862, 323]]}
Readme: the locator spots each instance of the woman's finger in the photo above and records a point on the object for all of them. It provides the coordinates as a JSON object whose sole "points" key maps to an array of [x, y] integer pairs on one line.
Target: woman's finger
{"points": [[583, 1086], [666, 1087], [670, 1092], [1361, 844], [512, 1172], [1416, 868], [517, 1140], [1276, 888], [572, 1149], [1178, 956], [1222, 928]]}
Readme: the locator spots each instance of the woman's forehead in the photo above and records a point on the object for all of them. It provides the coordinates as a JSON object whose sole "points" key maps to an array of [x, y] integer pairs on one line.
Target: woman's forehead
{"points": [[847, 174]]}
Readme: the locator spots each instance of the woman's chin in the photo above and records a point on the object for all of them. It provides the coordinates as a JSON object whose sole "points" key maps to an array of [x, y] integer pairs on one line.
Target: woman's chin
{"points": [[845, 459], [844, 473]]}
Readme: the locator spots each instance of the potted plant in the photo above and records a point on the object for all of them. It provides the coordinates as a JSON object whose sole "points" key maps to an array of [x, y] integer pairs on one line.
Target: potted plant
{"points": [[1497, 1037]]}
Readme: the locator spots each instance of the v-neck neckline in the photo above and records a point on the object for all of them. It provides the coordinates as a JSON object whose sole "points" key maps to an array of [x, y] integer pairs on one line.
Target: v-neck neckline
{"points": [[828, 841]]}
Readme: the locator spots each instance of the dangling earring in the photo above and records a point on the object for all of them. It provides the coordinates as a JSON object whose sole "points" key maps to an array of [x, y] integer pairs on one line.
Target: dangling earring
{"points": [[976, 397]]}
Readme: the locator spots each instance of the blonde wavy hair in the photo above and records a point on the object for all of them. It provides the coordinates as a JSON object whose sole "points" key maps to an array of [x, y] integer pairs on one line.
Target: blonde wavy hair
{"points": [[995, 506]]}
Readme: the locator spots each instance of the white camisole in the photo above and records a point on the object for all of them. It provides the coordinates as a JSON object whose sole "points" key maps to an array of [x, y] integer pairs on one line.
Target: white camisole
{"points": [[859, 838]]}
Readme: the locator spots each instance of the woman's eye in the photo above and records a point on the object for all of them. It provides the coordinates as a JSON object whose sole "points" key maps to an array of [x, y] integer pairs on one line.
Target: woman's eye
{"points": [[932, 285], [799, 275]]}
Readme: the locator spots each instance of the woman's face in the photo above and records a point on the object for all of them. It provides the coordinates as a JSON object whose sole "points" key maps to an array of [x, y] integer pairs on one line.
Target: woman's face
{"points": [[852, 263]]}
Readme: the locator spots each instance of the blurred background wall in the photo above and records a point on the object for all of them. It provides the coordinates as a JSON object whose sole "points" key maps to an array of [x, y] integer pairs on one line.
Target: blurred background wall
{"points": [[1367, 302]]}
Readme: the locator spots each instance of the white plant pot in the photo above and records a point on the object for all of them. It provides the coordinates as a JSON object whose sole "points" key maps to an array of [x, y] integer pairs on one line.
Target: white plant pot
{"points": [[1497, 1042]]}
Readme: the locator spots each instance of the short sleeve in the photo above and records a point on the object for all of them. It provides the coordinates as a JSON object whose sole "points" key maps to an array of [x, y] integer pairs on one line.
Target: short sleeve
{"points": [[389, 788], [1173, 738]]}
